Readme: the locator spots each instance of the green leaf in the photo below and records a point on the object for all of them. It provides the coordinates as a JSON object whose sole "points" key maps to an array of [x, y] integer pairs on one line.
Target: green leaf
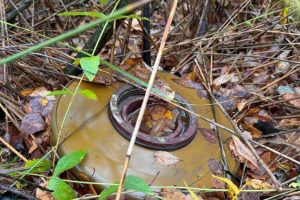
{"points": [[248, 22], [137, 184], [129, 16], [69, 161], [294, 185], [90, 64], [6, 166], [107, 192], [76, 61], [298, 181], [102, 2], [130, 183], [92, 14], [41, 167], [89, 94], [58, 92], [62, 190]]}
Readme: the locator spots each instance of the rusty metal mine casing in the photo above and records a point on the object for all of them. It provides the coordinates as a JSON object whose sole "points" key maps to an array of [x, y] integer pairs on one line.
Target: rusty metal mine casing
{"points": [[91, 125]]}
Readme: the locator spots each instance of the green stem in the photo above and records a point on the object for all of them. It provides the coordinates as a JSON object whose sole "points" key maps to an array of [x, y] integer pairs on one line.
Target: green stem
{"points": [[40, 160], [73, 32], [64, 119], [105, 25]]}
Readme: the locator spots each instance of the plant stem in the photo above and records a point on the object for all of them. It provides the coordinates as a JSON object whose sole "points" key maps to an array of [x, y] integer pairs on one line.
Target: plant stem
{"points": [[144, 104], [73, 32], [104, 27], [64, 119]]}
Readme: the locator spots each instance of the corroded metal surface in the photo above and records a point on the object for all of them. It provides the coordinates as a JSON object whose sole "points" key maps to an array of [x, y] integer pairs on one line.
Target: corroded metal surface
{"points": [[89, 127]]}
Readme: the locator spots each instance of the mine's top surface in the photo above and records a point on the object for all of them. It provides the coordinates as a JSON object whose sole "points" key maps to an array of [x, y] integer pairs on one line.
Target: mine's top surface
{"points": [[89, 127]]}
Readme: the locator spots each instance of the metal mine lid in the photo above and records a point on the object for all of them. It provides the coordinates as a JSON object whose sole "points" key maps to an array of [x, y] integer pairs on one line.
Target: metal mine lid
{"points": [[104, 127]]}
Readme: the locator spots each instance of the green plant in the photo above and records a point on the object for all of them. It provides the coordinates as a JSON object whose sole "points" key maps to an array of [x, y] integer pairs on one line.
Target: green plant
{"points": [[61, 189]]}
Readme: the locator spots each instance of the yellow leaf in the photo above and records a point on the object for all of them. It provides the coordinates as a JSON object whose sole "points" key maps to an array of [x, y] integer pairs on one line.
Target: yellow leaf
{"points": [[168, 115], [258, 184], [231, 184], [76, 61], [191, 192], [283, 14]]}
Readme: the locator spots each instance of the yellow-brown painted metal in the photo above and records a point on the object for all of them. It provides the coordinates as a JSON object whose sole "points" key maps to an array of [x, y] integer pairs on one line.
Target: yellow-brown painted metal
{"points": [[107, 148]]}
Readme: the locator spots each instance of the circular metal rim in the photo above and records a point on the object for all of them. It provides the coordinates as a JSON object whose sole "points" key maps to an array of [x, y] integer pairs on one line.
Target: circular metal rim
{"points": [[156, 143]]}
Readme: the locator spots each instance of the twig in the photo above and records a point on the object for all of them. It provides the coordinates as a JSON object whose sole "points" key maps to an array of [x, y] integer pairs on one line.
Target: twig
{"points": [[24, 181], [13, 149], [17, 192], [267, 170], [144, 104], [277, 152]]}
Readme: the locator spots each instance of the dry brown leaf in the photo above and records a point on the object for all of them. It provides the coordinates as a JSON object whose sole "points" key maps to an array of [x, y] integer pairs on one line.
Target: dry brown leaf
{"points": [[132, 61], [157, 112], [259, 184], [84, 177], [210, 135], [32, 123], [44, 195], [268, 158], [165, 158], [261, 79], [172, 194], [295, 102], [141, 73], [254, 131], [244, 151], [166, 90], [223, 79], [192, 76], [215, 167], [42, 91], [188, 84], [27, 92], [33, 147]]}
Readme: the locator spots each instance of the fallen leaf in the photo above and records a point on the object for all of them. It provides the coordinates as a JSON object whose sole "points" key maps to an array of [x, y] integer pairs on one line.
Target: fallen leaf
{"points": [[230, 183], [142, 73], [172, 194], [215, 167], [269, 158], [192, 76], [43, 195], [168, 115], [261, 79], [194, 196], [210, 135], [166, 90], [157, 112], [259, 184], [165, 158], [254, 131], [32, 123], [132, 61], [27, 92], [223, 79], [188, 84], [37, 103], [42, 91], [295, 102], [202, 94], [244, 152], [33, 147], [84, 177]]}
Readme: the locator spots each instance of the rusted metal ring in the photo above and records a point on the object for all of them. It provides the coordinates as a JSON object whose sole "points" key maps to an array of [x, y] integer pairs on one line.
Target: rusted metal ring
{"points": [[128, 95]]}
